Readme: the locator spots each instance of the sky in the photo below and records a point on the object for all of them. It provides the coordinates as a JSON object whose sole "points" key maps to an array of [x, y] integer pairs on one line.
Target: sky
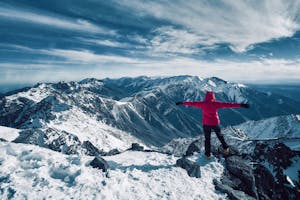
{"points": [[249, 41]]}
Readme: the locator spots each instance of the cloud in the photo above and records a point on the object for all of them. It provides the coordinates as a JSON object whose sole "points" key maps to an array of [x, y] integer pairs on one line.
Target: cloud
{"points": [[105, 42], [87, 57], [50, 19], [171, 40], [79, 65], [78, 57], [238, 23]]}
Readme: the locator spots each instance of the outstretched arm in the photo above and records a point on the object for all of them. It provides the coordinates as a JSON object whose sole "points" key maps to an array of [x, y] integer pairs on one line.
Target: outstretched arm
{"points": [[232, 105]]}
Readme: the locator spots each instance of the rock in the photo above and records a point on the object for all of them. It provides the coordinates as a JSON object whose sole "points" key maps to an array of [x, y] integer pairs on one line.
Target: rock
{"points": [[195, 146], [265, 182], [100, 163], [240, 169], [136, 147], [192, 168], [32, 136], [274, 186], [112, 152], [90, 149], [232, 194], [66, 143], [280, 156]]}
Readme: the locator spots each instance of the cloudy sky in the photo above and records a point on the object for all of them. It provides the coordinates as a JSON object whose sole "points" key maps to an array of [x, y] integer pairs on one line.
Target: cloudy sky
{"points": [[242, 41]]}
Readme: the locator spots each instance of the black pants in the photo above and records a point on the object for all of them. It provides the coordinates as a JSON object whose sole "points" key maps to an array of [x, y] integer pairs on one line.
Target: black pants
{"points": [[207, 133]]}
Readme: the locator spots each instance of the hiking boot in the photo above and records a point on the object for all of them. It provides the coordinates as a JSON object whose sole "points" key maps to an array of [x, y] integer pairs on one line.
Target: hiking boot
{"points": [[207, 157], [226, 150]]}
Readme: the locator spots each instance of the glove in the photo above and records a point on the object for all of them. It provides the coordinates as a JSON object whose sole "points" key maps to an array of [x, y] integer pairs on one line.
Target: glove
{"points": [[245, 105], [179, 103]]}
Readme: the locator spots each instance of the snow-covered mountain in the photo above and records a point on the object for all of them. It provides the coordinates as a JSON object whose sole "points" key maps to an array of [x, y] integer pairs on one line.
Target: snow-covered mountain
{"points": [[113, 113], [96, 118], [284, 128]]}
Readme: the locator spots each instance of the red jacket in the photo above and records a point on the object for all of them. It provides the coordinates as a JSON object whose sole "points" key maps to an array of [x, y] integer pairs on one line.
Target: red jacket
{"points": [[210, 108]]}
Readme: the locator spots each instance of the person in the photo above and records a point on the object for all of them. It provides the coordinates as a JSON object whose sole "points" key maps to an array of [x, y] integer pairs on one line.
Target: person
{"points": [[210, 118]]}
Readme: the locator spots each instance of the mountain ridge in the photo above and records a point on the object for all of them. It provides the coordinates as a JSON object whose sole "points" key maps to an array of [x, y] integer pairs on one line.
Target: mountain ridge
{"points": [[142, 106]]}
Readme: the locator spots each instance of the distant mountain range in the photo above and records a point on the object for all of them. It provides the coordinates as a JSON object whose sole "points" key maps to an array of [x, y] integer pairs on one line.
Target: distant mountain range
{"points": [[112, 113], [289, 90]]}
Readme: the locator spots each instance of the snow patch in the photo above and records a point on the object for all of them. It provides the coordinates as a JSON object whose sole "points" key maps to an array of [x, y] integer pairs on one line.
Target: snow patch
{"points": [[8, 134], [87, 128], [35, 94], [210, 82], [241, 85]]}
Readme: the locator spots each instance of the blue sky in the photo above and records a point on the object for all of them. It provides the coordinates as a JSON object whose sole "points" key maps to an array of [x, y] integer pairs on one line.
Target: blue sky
{"points": [[241, 41]]}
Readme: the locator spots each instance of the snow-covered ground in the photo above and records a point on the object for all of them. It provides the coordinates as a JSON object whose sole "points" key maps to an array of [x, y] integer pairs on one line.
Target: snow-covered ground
{"points": [[31, 172], [87, 128], [8, 134]]}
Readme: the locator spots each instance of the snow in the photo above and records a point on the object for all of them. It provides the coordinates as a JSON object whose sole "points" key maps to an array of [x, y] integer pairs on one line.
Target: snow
{"points": [[210, 82], [241, 85], [88, 128], [8, 134], [31, 172], [35, 94]]}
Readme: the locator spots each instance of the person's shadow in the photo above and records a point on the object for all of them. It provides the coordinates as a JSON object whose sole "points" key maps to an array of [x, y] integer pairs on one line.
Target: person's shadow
{"points": [[202, 160]]}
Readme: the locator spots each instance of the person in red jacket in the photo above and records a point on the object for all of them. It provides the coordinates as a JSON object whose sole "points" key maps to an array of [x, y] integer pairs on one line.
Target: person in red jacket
{"points": [[210, 118]]}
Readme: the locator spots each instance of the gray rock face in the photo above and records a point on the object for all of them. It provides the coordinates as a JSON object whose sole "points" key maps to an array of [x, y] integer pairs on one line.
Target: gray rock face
{"points": [[136, 147], [192, 168], [112, 152], [256, 180], [265, 182], [232, 194], [91, 150], [240, 169], [100, 163], [60, 141], [280, 157], [193, 147]]}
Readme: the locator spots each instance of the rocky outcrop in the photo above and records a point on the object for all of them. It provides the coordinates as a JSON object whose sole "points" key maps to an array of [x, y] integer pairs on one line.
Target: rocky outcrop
{"points": [[100, 163], [192, 168], [61, 141], [241, 170], [194, 147], [232, 193], [90, 149], [249, 174], [136, 147], [279, 157], [264, 181]]}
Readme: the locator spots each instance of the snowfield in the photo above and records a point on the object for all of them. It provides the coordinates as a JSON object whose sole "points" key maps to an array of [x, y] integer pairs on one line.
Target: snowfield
{"points": [[8, 134], [87, 128], [31, 172]]}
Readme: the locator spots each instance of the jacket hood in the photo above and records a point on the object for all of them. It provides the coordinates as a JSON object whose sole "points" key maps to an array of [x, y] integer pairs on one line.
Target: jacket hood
{"points": [[210, 96]]}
